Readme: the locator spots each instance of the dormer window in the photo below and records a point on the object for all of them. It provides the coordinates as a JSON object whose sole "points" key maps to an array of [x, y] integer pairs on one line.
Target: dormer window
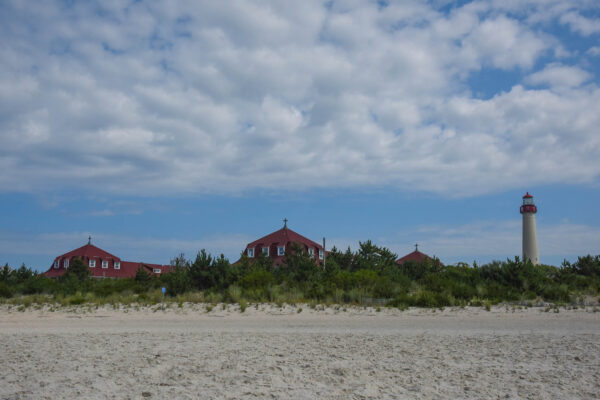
{"points": [[56, 264], [265, 251], [320, 254], [156, 270], [250, 252], [311, 252], [66, 263], [105, 264], [92, 263], [117, 264], [280, 250]]}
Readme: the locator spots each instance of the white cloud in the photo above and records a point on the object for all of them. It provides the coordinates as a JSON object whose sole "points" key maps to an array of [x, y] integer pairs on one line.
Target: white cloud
{"points": [[227, 97], [581, 24], [505, 43], [594, 51], [558, 75]]}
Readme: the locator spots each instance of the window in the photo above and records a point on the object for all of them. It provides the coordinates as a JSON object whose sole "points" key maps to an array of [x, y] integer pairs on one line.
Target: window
{"points": [[156, 270], [311, 252], [250, 252], [117, 264], [56, 264], [104, 264], [265, 251], [66, 263], [320, 254], [280, 250], [92, 263]]}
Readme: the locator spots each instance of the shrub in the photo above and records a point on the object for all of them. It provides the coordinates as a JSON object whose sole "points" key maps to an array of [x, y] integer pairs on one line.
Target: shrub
{"points": [[76, 299], [234, 293], [257, 278], [5, 290]]}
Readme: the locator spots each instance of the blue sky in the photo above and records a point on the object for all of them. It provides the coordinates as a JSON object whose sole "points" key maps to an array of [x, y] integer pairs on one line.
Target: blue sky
{"points": [[161, 128]]}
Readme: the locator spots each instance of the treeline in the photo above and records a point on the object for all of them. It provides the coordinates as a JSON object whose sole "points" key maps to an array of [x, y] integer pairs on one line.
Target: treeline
{"points": [[366, 276]]}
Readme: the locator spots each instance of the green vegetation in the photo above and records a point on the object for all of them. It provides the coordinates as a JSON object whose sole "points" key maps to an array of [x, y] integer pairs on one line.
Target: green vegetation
{"points": [[368, 276]]}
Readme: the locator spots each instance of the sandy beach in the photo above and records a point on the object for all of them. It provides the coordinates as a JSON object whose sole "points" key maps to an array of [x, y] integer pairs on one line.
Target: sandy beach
{"points": [[272, 352]]}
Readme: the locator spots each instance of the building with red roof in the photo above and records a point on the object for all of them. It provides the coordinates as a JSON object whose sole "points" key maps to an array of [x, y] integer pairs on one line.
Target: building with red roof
{"points": [[276, 244], [416, 257], [102, 264]]}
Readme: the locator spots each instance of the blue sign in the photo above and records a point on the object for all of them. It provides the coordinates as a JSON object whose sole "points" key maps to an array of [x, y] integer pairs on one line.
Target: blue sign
{"points": [[164, 289]]}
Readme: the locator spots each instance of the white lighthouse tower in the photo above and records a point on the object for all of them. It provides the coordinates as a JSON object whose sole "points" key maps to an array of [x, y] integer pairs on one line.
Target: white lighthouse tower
{"points": [[530, 245]]}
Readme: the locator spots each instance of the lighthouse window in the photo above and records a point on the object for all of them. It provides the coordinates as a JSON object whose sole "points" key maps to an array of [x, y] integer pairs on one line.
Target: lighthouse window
{"points": [[66, 263], [92, 263]]}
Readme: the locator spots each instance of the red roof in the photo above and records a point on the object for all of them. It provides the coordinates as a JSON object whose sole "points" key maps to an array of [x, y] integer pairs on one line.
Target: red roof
{"points": [[102, 264], [415, 256], [283, 237], [528, 196]]}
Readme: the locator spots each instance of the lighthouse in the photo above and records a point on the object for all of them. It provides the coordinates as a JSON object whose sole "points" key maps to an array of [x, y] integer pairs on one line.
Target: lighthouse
{"points": [[530, 246]]}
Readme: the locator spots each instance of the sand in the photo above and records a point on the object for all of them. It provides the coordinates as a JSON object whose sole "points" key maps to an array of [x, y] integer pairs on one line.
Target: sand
{"points": [[271, 352]]}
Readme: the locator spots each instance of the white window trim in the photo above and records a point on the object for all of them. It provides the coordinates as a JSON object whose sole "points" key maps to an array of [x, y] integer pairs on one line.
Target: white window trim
{"points": [[320, 254], [250, 252], [117, 264], [66, 263], [56, 264], [311, 252], [104, 264], [265, 251], [280, 250], [92, 263], [156, 270]]}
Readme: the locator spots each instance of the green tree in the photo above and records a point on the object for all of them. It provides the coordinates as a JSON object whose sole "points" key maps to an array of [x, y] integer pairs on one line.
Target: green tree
{"points": [[202, 275], [79, 269], [178, 281], [142, 276], [372, 257], [299, 265]]}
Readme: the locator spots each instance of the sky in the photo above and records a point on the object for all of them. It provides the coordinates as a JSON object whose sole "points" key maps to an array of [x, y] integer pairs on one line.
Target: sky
{"points": [[165, 127]]}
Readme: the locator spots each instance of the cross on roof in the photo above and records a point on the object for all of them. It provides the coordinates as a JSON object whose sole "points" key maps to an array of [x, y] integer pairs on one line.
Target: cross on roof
{"points": [[89, 240], [416, 246], [285, 220]]}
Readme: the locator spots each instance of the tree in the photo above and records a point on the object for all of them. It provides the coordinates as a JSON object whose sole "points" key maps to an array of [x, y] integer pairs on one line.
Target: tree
{"points": [[79, 269], [300, 265], [5, 273], [373, 257], [202, 275]]}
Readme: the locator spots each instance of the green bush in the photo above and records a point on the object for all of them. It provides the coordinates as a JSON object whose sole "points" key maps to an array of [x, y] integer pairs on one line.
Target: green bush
{"points": [[6, 291], [76, 299]]}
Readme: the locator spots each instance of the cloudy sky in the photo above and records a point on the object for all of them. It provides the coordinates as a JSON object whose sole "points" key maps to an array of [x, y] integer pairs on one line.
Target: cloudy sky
{"points": [[163, 127]]}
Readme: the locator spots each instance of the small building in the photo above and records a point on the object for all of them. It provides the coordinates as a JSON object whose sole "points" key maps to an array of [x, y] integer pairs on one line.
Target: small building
{"points": [[102, 264], [276, 244], [416, 257]]}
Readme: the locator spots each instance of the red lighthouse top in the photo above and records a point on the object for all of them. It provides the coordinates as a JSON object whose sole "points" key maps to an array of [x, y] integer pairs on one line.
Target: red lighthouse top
{"points": [[528, 206]]}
